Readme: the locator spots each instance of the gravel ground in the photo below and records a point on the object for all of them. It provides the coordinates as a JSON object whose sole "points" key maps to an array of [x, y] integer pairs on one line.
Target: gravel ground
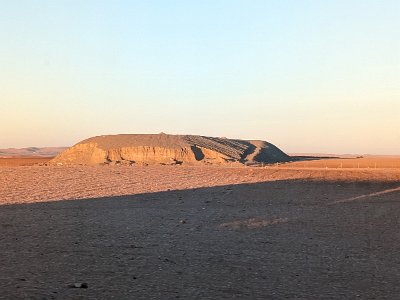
{"points": [[275, 234]]}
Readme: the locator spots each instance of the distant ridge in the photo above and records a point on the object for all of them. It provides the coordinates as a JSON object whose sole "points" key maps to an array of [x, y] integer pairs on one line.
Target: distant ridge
{"points": [[31, 151], [169, 149]]}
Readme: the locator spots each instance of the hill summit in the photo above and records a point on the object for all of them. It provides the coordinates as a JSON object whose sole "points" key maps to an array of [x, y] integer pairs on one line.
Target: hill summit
{"points": [[168, 149]]}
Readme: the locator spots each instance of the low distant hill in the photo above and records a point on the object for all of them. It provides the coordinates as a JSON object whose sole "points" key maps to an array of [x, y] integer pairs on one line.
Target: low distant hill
{"points": [[31, 151], [169, 149]]}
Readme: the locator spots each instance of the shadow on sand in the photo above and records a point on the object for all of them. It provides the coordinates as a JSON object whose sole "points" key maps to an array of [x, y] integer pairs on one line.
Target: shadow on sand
{"points": [[308, 158], [269, 240]]}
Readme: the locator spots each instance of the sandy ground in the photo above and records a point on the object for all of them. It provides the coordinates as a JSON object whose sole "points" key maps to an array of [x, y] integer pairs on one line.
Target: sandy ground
{"points": [[377, 162], [39, 184], [166, 232], [23, 161]]}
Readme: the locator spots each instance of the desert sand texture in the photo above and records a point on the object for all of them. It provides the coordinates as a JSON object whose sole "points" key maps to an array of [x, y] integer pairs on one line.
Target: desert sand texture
{"points": [[369, 162], [16, 161], [167, 232]]}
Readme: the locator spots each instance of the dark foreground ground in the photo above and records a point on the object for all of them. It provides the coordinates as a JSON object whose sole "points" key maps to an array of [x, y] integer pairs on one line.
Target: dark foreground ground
{"points": [[288, 239]]}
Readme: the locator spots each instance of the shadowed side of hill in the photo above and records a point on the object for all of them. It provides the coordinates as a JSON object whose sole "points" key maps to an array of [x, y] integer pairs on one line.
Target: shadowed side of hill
{"points": [[168, 149], [265, 152]]}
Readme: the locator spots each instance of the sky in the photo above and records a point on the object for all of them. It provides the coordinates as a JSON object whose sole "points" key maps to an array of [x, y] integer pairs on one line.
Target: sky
{"points": [[307, 75]]}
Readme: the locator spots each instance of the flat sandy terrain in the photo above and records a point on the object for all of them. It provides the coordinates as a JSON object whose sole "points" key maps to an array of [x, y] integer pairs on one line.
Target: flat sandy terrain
{"points": [[377, 162], [23, 161], [166, 232]]}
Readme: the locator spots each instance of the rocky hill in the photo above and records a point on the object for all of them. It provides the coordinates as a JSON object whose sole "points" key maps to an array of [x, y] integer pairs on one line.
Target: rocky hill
{"points": [[168, 149]]}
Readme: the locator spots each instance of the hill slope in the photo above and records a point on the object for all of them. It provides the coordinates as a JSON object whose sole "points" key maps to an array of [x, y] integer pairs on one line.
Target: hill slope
{"points": [[168, 149]]}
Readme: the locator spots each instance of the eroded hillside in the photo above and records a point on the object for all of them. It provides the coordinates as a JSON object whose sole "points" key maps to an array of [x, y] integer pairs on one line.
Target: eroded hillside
{"points": [[168, 149]]}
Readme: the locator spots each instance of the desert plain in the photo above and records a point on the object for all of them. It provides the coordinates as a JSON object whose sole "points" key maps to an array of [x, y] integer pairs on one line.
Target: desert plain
{"points": [[200, 232]]}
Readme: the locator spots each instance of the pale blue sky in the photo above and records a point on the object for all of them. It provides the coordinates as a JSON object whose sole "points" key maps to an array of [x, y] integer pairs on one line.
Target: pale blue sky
{"points": [[308, 76]]}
